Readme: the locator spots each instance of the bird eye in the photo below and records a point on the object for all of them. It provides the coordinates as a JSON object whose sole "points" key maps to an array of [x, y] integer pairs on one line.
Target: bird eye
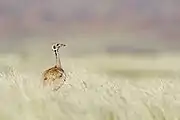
{"points": [[57, 44], [54, 47]]}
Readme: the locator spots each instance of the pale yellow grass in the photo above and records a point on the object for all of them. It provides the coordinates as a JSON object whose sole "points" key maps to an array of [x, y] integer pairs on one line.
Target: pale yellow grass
{"points": [[91, 93]]}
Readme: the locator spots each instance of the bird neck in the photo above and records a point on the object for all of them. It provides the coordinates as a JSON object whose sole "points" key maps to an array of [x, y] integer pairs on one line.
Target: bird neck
{"points": [[58, 61]]}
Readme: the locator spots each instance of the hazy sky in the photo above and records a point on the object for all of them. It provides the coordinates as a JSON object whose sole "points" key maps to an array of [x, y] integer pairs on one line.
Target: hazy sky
{"points": [[29, 18]]}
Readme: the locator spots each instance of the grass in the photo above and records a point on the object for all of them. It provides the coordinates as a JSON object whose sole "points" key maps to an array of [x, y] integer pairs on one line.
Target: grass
{"points": [[98, 88]]}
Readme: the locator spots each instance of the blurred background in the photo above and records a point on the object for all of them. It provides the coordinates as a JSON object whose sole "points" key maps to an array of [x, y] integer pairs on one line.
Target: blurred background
{"points": [[88, 27], [122, 59]]}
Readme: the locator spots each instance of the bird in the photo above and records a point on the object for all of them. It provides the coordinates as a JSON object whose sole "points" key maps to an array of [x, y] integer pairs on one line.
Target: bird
{"points": [[55, 76]]}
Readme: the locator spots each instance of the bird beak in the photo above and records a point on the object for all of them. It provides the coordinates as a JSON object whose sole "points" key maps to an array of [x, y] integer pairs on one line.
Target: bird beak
{"points": [[63, 45]]}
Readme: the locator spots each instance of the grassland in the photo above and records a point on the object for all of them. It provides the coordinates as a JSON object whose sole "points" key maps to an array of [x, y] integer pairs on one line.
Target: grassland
{"points": [[105, 87]]}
